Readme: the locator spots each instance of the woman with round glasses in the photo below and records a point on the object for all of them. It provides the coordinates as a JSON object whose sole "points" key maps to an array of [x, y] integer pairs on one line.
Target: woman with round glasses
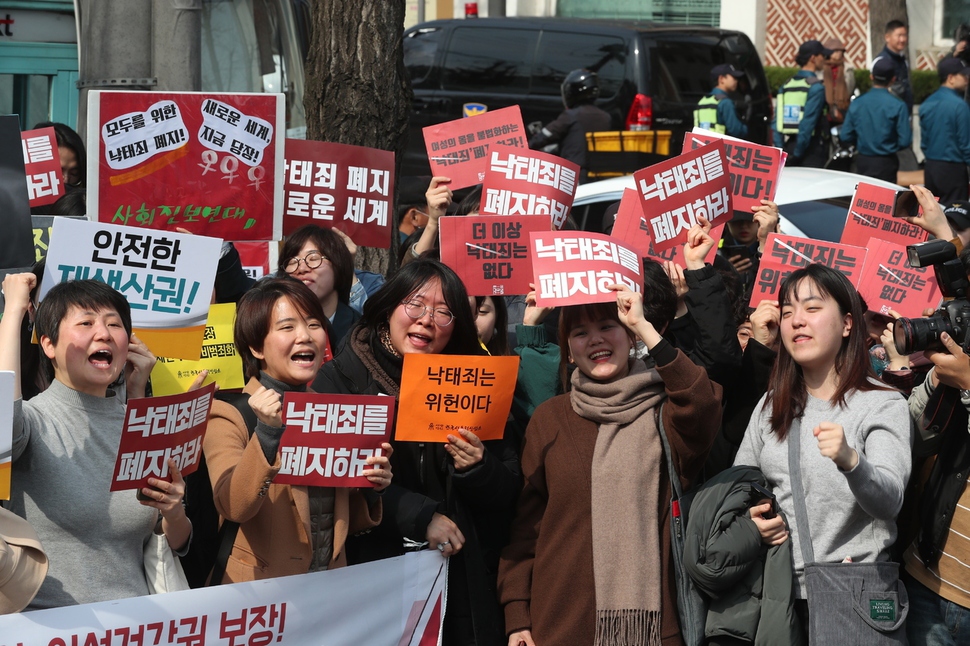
{"points": [[319, 259], [456, 497]]}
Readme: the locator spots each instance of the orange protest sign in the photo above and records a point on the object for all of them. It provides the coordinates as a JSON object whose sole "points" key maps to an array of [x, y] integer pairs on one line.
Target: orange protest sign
{"points": [[443, 393]]}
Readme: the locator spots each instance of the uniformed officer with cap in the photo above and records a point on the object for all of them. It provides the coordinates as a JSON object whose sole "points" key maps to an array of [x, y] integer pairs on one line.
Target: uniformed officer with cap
{"points": [[800, 123], [944, 121], [716, 110]]}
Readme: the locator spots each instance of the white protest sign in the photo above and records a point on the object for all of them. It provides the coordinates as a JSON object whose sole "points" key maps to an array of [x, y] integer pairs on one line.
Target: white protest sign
{"points": [[6, 432], [137, 136]]}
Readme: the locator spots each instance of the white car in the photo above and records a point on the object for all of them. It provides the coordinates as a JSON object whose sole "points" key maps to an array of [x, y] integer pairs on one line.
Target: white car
{"points": [[813, 202]]}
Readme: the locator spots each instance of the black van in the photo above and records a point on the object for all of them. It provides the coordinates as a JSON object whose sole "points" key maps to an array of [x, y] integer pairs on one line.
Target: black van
{"points": [[651, 75]]}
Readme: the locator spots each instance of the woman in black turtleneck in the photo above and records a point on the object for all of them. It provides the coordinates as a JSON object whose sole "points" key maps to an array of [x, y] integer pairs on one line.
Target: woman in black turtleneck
{"points": [[279, 332]]}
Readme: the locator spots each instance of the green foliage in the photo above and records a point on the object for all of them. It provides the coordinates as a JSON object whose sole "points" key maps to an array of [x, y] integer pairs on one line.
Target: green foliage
{"points": [[924, 82], [778, 76]]}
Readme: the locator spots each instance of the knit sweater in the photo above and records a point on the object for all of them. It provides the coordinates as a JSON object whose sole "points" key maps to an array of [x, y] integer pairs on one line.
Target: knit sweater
{"points": [[64, 449], [851, 513]]}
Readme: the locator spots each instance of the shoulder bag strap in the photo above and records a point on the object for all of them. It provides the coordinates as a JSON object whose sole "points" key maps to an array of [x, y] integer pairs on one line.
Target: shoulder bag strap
{"points": [[798, 493]]}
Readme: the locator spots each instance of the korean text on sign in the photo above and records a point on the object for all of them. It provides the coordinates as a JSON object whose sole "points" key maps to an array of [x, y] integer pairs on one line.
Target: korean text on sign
{"points": [[441, 394], [328, 438], [350, 188], [575, 267], [871, 216], [754, 169], [675, 192], [889, 283], [528, 182], [158, 429], [42, 164], [490, 253], [785, 254]]}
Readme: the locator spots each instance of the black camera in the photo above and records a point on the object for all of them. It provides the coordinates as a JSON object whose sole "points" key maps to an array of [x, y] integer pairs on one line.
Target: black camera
{"points": [[962, 34], [914, 335]]}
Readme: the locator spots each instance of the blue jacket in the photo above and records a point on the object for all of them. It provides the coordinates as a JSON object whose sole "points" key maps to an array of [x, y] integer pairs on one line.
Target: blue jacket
{"points": [[727, 115], [878, 123], [813, 119], [901, 86], [944, 121]]}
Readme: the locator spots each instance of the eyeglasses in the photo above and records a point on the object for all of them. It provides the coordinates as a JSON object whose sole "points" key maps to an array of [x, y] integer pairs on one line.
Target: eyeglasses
{"points": [[416, 310], [312, 260]]}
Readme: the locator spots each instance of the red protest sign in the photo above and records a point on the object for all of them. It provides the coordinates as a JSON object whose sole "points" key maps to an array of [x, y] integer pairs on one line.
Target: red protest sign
{"points": [[490, 253], [459, 149], [870, 216], [631, 228], [527, 182], [683, 188], [784, 254], [328, 438], [889, 283], [159, 428], [576, 267], [338, 186], [255, 258], [754, 169], [42, 163], [208, 163]]}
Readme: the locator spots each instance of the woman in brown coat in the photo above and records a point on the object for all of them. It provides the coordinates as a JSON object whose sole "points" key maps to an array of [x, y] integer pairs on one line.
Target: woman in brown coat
{"points": [[284, 529]]}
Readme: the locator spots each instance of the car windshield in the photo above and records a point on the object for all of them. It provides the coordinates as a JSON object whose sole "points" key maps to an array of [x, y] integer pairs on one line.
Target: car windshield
{"points": [[819, 219]]}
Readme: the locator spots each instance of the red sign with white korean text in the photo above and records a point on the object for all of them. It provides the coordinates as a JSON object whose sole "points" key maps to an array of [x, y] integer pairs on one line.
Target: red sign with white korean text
{"points": [[159, 428], [208, 163], [754, 168], [871, 216], [527, 182], [490, 253], [255, 258], [328, 438], [631, 227], [889, 283], [338, 186], [459, 149], [42, 163], [784, 254], [576, 267], [675, 192]]}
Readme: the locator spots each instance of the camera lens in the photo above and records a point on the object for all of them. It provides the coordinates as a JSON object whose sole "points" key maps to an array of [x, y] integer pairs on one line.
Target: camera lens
{"points": [[914, 335]]}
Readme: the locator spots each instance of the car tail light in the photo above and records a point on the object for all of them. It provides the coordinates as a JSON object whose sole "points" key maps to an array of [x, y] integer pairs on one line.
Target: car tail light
{"points": [[640, 116]]}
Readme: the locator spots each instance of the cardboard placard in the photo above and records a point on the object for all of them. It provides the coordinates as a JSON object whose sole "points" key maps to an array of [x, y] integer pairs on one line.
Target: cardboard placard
{"points": [[338, 186], [871, 216], [675, 192], [442, 393], [328, 438], [209, 163], [490, 253], [6, 431], [576, 267], [159, 428], [459, 149], [784, 254], [42, 164], [528, 182], [16, 249], [754, 169], [166, 277], [889, 283]]}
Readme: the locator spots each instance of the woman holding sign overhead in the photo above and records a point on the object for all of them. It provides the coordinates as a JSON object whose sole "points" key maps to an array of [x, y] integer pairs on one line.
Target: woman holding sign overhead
{"points": [[453, 497]]}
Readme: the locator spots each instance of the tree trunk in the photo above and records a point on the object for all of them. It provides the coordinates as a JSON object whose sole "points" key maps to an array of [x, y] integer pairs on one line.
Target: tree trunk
{"points": [[357, 89], [880, 13]]}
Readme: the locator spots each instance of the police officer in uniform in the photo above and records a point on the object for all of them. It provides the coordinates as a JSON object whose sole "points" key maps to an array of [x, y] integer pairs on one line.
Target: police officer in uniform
{"points": [[878, 123], [716, 110], [800, 110], [944, 121]]}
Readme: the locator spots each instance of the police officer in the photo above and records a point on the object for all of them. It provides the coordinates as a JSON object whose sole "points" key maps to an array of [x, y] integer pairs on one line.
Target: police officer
{"points": [[800, 110], [878, 123], [716, 110], [944, 121]]}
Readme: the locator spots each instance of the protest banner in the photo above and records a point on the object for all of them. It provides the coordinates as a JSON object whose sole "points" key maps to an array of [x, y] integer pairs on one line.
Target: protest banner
{"points": [[871, 216], [218, 357], [754, 169], [159, 428], [890, 283], [784, 254], [42, 226], [258, 258], [167, 277], [16, 249], [405, 610], [459, 149], [528, 182], [680, 189], [490, 253], [338, 186], [576, 267], [42, 165], [208, 163], [6, 431], [328, 438], [442, 393]]}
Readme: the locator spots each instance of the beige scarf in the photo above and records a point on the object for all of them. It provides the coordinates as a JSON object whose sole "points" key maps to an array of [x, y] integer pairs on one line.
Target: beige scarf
{"points": [[626, 473]]}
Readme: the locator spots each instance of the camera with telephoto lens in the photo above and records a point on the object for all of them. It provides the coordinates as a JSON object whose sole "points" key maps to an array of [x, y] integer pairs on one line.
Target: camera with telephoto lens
{"points": [[914, 335], [962, 33]]}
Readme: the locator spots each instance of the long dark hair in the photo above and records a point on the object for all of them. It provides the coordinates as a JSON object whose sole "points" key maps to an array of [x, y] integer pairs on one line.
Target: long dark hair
{"points": [[787, 393], [498, 346]]}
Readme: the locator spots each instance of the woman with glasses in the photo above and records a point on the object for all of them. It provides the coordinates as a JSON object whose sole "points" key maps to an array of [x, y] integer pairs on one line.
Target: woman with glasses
{"points": [[456, 497], [319, 259]]}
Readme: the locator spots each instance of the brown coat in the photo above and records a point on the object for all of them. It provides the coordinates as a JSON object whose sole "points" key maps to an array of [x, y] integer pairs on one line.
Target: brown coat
{"points": [[546, 572], [274, 519]]}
